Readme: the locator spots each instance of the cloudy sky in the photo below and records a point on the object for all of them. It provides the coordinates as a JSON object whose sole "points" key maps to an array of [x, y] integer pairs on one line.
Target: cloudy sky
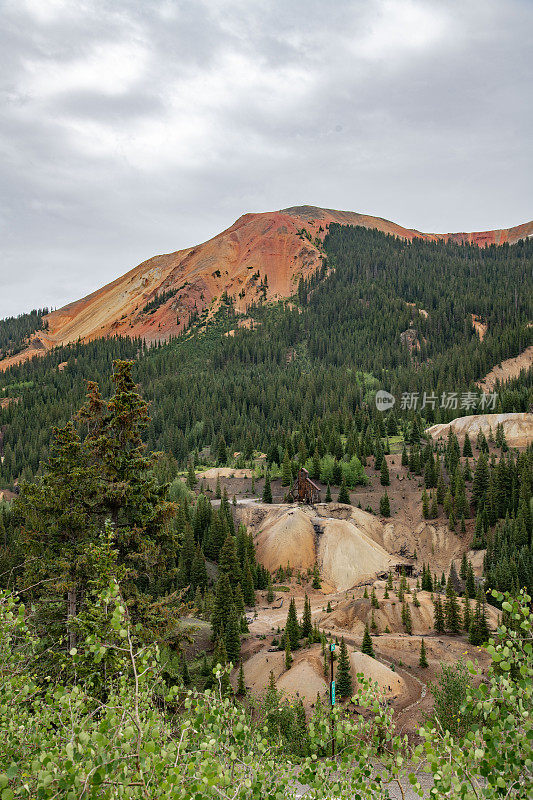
{"points": [[135, 127]]}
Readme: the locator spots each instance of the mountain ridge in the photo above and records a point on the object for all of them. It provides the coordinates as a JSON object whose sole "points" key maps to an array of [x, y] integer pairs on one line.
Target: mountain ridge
{"points": [[261, 256]]}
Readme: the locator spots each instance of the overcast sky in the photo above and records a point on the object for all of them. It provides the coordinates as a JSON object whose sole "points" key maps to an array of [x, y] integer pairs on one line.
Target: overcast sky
{"points": [[130, 128]]}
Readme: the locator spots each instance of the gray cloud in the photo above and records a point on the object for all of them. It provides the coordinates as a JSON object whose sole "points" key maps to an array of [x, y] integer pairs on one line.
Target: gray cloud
{"points": [[129, 129]]}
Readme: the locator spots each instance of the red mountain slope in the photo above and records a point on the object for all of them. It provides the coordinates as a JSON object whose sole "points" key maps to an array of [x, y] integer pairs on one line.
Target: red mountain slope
{"points": [[256, 249]]}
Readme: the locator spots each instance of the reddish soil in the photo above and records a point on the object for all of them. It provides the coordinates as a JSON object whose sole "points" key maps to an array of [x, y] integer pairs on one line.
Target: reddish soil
{"points": [[260, 255]]}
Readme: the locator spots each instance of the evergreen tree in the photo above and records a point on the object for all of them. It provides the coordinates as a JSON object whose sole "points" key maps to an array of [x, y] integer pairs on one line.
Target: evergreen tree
{"points": [[467, 447], [222, 606], [467, 615], [438, 613], [107, 475], [232, 637], [384, 473], [425, 505], [267, 491], [248, 584], [286, 471], [288, 655], [307, 626], [406, 617], [479, 631], [292, 628], [328, 494], [451, 609], [481, 480], [422, 660], [384, 505], [366, 646], [192, 480], [199, 577], [229, 562], [241, 687], [343, 681], [344, 496]]}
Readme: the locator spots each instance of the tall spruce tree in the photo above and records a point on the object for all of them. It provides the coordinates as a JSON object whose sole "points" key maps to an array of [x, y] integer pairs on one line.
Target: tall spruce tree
{"points": [[101, 471], [366, 646], [452, 612], [438, 615], [343, 680], [292, 628]]}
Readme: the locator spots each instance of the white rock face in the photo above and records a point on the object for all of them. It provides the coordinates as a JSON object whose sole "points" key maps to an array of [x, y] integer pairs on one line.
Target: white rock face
{"points": [[518, 428]]}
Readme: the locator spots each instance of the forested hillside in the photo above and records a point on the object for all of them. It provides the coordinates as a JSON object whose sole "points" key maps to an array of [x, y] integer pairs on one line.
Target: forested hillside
{"points": [[380, 313], [14, 331]]}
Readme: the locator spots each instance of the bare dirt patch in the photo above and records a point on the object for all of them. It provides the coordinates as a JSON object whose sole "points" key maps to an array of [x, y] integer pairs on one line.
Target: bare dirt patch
{"points": [[510, 368]]}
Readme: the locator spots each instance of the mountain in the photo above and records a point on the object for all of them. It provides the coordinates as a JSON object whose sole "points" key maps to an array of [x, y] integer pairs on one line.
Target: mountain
{"points": [[261, 256]]}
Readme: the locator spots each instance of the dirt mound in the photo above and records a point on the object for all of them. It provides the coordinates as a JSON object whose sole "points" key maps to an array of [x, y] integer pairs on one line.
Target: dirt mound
{"points": [[286, 537], [346, 554], [510, 368], [391, 684], [259, 255], [345, 542], [224, 472], [304, 679], [518, 428]]}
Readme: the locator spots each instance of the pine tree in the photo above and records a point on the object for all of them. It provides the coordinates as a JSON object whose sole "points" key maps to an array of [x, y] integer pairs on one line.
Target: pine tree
{"points": [[467, 447], [422, 661], [228, 561], [267, 491], [106, 475], [343, 680], [344, 496], [425, 505], [270, 591], [439, 621], [307, 626], [222, 605], [467, 615], [406, 617], [286, 471], [366, 646], [481, 480], [248, 584], [384, 473], [199, 578], [192, 480], [292, 628], [232, 637], [288, 656], [241, 687], [328, 494], [384, 506], [451, 609], [479, 631], [373, 599]]}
